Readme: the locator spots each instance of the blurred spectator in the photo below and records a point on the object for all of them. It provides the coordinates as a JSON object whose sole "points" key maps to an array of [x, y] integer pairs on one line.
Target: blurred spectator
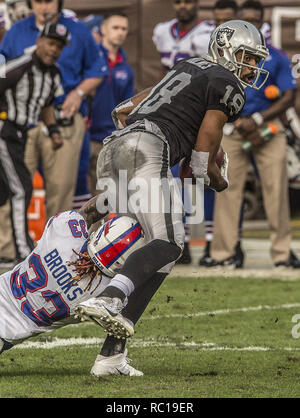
{"points": [[83, 187], [269, 151], [224, 10], [2, 26], [17, 10], [182, 37], [117, 86], [290, 118], [94, 22], [20, 106], [70, 14], [7, 248], [82, 70]]}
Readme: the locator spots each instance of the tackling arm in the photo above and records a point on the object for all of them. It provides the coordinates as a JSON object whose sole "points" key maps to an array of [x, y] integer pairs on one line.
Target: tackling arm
{"points": [[90, 213], [120, 113], [206, 148]]}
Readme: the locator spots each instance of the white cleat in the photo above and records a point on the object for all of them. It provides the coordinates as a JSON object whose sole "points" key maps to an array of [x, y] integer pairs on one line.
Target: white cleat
{"points": [[117, 364], [106, 312]]}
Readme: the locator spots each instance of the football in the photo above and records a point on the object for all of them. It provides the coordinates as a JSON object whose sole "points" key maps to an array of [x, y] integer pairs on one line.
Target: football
{"points": [[220, 157], [185, 171]]}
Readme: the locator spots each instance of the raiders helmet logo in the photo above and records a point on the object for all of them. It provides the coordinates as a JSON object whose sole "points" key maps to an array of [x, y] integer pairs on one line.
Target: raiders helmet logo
{"points": [[220, 37]]}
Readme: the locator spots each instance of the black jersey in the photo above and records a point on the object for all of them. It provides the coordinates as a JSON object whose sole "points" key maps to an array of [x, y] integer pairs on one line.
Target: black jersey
{"points": [[179, 102]]}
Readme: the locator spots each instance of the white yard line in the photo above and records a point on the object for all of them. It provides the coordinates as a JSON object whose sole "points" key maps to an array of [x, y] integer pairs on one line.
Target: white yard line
{"points": [[139, 343], [249, 272], [211, 313], [225, 311], [74, 341]]}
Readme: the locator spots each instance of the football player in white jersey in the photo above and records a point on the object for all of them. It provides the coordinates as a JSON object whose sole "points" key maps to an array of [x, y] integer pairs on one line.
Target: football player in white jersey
{"points": [[183, 37], [65, 268]]}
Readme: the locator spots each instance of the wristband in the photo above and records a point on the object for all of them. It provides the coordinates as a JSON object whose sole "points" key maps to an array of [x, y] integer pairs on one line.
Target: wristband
{"points": [[80, 92], [53, 129], [224, 168], [258, 118]]}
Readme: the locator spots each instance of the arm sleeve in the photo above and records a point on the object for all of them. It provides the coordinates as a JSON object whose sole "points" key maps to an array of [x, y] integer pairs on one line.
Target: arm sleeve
{"points": [[283, 75], [156, 38], [64, 225], [57, 90], [11, 76], [6, 46], [226, 96]]}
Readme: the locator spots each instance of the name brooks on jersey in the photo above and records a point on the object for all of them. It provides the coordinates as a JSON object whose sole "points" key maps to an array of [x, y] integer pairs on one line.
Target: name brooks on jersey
{"points": [[60, 273]]}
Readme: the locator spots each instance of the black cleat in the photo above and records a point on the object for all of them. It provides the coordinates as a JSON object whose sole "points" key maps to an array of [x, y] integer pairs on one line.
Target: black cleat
{"points": [[239, 256], [206, 260], [185, 256], [293, 262]]}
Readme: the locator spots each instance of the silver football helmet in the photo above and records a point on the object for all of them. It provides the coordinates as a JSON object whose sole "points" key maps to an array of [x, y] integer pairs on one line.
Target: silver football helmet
{"points": [[238, 35]]}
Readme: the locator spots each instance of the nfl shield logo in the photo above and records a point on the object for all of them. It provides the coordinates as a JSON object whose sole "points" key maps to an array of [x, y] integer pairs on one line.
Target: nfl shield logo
{"points": [[61, 30]]}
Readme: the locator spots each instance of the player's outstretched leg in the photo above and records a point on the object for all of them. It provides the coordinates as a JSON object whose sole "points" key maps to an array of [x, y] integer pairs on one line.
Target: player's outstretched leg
{"points": [[112, 358], [106, 309]]}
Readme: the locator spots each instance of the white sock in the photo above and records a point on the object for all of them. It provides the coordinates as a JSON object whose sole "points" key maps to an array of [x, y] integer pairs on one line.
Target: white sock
{"points": [[123, 283]]}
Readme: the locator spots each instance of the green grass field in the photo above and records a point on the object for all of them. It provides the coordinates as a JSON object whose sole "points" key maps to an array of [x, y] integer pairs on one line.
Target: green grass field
{"points": [[200, 337]]}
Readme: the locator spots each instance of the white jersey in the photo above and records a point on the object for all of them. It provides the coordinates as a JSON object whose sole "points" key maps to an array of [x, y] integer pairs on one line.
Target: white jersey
{"points": [[266, 31], [174, 46], [39, 294]]}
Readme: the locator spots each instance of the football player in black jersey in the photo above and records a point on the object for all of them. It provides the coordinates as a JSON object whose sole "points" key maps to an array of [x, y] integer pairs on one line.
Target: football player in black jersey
{"points": [[182, 116]]}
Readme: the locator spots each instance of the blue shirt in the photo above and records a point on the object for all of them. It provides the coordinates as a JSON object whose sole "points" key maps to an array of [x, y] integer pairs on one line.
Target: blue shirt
{"points": [[78, 61], [116, 87], [279, 67]]}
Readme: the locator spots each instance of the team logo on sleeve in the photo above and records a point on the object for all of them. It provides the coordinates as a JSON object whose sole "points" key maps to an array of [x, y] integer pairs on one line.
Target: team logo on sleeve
{"points": [[220, 37], [61, 30]]}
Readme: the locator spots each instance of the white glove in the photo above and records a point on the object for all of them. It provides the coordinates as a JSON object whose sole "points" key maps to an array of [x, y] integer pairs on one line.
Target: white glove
{"points": [[224, 168], [126, 104]]}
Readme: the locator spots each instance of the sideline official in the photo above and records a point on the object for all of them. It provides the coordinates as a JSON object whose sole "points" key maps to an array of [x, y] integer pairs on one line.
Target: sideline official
{"points": [[26, 94], [82, 70]]}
